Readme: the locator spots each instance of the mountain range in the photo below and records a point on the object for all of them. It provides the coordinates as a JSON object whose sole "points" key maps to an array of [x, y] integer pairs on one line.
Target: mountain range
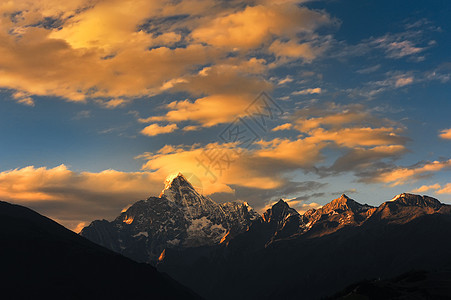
{"points": [[228, 250]]}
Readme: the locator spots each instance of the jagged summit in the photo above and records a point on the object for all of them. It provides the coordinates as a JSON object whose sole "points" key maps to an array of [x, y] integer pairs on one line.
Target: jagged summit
{"points": [[280, 203], [278, 212], [407, 199], [179, 218], [176, 185], [344, 197], [344, 203]]}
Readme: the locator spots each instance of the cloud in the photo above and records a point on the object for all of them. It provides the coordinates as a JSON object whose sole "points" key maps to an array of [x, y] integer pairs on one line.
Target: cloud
{"points": [[402, 81], [445, 189], [23, 98], [410, 44], [287, 79], [445, 134], [360, 138], [392, 81], [369, 70], [300, 153], [75, 197], [255, 25], [113, 103], [208, 111], [285, 126], [437, 188], [218, 166], [332, 115], [293, 49], [307, 91], [191, 128], [155, 129], [363, 158], [401, 175], [425, 188], [397, 49], [113, 52], [83, 114]]}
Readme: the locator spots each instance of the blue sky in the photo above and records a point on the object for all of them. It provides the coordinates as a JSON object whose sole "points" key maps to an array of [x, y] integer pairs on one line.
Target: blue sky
{"points": [[101, 101]]}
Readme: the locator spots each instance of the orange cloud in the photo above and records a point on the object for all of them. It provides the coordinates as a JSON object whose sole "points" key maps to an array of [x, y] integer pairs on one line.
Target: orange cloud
{"points": [[255, 25], [107, 51], [332, 115], [218, 166], [425, 188], [293, 49], [401, 175], [72, 197], [304, 153], [445, 190], [445, 134], [285, 126], [437, 188], [208, 111], [155, 129], [308, 92], [402, 81], [366, 136]]}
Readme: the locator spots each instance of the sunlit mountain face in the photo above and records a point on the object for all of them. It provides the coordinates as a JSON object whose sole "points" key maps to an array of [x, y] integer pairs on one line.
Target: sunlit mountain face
{"points": [[252, 101]]}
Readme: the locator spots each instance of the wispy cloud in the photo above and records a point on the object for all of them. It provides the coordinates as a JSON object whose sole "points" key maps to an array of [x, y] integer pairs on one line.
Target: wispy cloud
{"points": [[83, 114], [155, 129], [436, 188], [285, 126], [395, 176], [426, 188], [309, 91], [285, 80], [369, 69]]}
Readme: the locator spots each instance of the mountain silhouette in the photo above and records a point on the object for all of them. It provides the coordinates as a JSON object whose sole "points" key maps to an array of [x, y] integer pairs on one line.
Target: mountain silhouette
{"points": [[41, 259]]}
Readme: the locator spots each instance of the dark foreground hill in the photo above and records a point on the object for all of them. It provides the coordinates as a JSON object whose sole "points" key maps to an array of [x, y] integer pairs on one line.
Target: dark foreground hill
{"points": [[41, 259], [411, 285]]}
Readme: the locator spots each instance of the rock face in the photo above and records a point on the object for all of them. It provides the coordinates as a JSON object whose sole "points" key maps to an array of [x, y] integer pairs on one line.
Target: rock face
{"points": [[406, 207], [180, 217], [337, 214]]}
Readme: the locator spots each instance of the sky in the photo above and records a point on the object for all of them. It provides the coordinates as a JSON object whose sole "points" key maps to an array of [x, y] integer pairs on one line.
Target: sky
{"points": [[101, 100]]}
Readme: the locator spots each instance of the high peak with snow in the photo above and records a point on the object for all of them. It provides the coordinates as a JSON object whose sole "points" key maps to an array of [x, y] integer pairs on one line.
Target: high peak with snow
{"points": [[179, 217], [177, 184], [407, 199]]}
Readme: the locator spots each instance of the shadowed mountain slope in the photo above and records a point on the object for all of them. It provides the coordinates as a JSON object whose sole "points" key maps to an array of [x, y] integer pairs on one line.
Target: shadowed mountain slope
{"points": [[41, 259]]}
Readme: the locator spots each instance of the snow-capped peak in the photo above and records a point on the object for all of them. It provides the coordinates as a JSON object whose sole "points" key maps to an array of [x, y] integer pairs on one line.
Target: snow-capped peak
{"points": [[416, 200], [170, 179], [397, 197]]}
